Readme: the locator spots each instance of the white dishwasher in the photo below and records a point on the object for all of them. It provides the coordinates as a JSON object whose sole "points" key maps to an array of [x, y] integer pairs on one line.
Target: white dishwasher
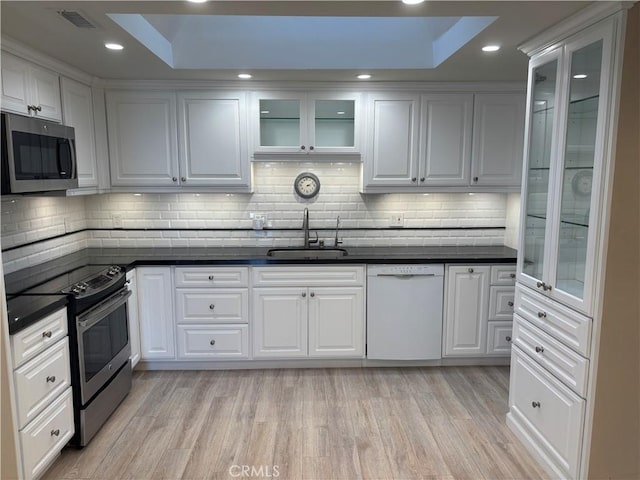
{"points": [[404, 312]]}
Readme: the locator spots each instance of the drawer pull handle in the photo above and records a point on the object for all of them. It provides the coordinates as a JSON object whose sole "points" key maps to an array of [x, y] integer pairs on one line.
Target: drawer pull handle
{"points": [[535, 404], [51, 379], [212, 306], [512, 275], [539, 349], [212, 343], [542, 314], [510, 303], [470, 270], [55, 433], [47, 334], [508, 338], [210, 277], [304, 294]]}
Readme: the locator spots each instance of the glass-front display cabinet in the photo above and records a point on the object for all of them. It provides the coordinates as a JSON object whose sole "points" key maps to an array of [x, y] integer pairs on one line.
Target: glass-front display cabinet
{"points": [[569, 90], [306, 123]]}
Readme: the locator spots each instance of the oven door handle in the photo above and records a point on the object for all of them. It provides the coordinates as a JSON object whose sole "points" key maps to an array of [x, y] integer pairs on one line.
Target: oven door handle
{"points": [[97, 313]]}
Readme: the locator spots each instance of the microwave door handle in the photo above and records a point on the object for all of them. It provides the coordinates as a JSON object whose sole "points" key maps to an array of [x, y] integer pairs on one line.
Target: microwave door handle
{"points": [[93, 316], [72, 149], [72, 155]]}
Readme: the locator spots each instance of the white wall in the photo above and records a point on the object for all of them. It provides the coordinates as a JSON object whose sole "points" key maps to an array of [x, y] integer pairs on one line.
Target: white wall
{"points": [[26, 219]]}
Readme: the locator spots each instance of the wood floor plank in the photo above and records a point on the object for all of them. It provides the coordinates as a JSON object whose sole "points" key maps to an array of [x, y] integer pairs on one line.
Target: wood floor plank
{"points": [[329, 424]]}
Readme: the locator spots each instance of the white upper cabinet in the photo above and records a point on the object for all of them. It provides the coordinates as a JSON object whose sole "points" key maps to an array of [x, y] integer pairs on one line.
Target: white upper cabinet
{"points": [[78, 113], [392, 140], [30, 90], [568, 125], [445, 127], [142, 128], [306, 123], [213, 148], [498, 132]]}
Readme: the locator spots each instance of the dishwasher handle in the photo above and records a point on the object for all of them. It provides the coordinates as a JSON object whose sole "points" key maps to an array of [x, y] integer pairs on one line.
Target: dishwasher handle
{"points": [[405, 275]]}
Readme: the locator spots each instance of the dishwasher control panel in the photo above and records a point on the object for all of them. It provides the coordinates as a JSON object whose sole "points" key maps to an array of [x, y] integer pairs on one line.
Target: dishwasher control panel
{"points": [[400, 270]]}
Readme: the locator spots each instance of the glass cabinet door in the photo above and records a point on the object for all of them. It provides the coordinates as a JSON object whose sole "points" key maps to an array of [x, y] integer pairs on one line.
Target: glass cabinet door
{"points": [[543, 102], [280, 123], [333, 124], [579, 160]]}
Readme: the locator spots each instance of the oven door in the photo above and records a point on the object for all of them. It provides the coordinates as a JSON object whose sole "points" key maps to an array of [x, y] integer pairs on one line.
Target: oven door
{"points": [[103, 343]]}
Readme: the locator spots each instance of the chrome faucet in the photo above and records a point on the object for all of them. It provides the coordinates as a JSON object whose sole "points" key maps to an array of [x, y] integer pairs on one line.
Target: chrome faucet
{"points": [[337, 242], [305, 227]]}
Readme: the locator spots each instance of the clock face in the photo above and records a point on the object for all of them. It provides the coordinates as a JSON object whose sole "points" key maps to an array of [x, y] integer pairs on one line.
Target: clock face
{"points": [[307, 185], [581, 183]]}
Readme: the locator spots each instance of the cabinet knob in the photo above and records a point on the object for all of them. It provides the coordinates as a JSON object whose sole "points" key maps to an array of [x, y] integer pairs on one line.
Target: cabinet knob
{"points": [[175, 179], [508, 338], [312, 294], [475, 179], [30, 107], [512, 275], [210, 277], [539, 349], [47, 334], [212, 306], [535, 404], [422, 179], [311, 147], [470, 270], [547, 287], [542, 285], [542, 314], [51, 379], [55, 433], [414, 179], [183, 179], [302, 147], [510, 304], [39, 108], [304, 294], [212, 342]]}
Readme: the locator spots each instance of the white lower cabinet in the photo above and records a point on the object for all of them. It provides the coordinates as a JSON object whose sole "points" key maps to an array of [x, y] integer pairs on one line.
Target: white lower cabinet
{"points": [[133, 316], [229, 342], [546, 414], [155, 309], [313, 320], [499, 338]]}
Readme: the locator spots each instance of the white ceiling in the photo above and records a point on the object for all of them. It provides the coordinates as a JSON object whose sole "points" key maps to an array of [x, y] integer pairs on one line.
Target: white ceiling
{"points": [[38, 25]]}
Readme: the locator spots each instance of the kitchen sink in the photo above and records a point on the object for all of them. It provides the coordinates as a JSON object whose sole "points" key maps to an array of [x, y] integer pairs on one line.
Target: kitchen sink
{"points": [[302, 253]]}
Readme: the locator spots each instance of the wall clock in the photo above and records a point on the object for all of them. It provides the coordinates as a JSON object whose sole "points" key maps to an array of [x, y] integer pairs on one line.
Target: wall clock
{"points": [[307, 185], [581, 183]]}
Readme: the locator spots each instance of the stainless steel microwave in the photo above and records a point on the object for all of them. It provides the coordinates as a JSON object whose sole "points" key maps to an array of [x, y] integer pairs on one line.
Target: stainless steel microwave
{"points": [[37, 156]]}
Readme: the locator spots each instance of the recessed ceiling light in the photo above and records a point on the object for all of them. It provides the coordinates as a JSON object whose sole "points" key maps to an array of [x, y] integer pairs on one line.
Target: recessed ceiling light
{"points": [[364, 76], [412, 2], [197, 1], [580, 76], [244, 75], [491, 48], [339, 113], [265, 111], [137, 194], [113, 46]]}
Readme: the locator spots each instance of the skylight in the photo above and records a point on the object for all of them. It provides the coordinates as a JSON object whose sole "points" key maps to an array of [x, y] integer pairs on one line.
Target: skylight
{"points": [[295, 43]]}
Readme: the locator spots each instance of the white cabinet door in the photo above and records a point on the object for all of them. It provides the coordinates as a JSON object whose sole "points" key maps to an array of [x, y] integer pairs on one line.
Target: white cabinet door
{"points": [[134, 320], [334, 122], [392, 140], [142, 130], [45, 94], [466, 311], [213, 139], [336, 322], [498, 135], [78, 113], [279, 322], [280, 122], [15, 84], [155, 309], [446, 139]]}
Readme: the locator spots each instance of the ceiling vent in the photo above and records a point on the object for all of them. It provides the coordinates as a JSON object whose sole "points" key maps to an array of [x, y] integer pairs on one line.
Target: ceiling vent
{"points": [[77, 19]]}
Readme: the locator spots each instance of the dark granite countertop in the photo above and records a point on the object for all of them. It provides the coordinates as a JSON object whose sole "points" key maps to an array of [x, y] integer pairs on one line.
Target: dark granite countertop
{"points": [[23, 311]]}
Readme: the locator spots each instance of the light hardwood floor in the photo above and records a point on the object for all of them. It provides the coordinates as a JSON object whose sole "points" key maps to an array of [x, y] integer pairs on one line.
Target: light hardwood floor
{"points": [[370, 423]]}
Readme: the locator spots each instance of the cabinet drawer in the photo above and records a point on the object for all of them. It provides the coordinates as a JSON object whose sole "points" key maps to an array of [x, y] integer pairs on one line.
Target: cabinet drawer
{"points": [[499, 338], [41, 380], [32, 340], [43, 438], [229, 342], [308, 276], [561, 361], [503, 275], [548, 411], [562, 323], [212, 277], [501, 303], [199, 305]]}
